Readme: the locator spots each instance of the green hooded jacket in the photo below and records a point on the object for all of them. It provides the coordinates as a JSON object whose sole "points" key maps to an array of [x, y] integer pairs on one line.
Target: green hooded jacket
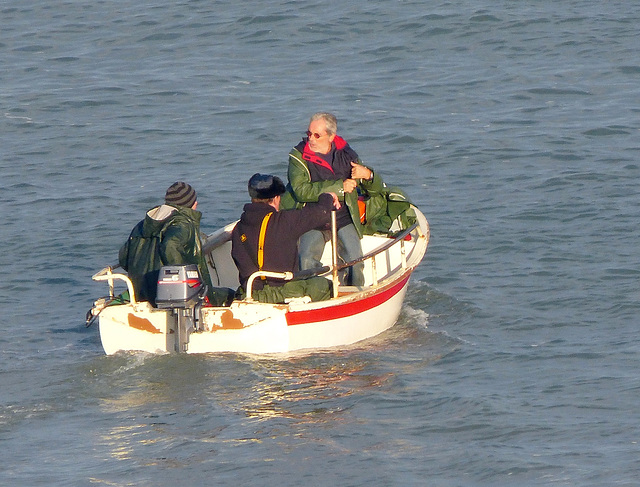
{"points": [[168, 235], [302, 190], [384, 204], [386, 208]]}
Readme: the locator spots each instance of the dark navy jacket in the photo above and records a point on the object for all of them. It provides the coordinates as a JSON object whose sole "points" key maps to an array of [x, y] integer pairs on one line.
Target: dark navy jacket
{"points": [[284, 229]]}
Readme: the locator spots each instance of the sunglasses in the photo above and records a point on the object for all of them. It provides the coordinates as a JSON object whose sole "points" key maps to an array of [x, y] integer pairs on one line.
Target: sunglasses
{"points": [[314, 134]]}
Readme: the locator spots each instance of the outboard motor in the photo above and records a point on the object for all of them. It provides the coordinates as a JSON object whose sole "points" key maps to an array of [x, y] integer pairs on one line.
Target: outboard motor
{"points": [[182, 290]]}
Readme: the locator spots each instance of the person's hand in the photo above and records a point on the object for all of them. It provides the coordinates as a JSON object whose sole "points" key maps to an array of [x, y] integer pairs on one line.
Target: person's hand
{"points": [[358, 171], [336, 201], [349, 185]]}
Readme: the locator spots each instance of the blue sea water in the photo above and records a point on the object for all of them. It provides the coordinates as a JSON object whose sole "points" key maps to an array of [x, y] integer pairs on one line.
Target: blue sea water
{"points": [[512, 125]]}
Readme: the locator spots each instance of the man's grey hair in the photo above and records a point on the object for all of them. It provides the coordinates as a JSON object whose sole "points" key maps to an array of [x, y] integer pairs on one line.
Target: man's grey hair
{"points": [[330, 121]]}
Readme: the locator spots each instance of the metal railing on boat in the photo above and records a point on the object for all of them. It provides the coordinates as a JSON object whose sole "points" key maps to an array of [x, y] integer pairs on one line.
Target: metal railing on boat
{"points": [[107, 274]]}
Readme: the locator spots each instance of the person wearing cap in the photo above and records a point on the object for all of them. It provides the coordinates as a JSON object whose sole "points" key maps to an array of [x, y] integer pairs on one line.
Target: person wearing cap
{"points": [[266, 239], [169, 234], [321, 162]]}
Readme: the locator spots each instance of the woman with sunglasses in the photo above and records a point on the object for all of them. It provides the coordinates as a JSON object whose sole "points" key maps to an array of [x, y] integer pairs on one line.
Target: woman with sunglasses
{"points": [[323, 162]]}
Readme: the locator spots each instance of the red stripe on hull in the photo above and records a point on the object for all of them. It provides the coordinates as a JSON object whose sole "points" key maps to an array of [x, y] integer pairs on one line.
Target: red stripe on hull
{"points": [[347, 309]]}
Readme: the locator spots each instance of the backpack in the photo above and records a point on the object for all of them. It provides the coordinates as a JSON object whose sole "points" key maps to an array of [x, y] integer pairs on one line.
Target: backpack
{"points": [[140, 257]]}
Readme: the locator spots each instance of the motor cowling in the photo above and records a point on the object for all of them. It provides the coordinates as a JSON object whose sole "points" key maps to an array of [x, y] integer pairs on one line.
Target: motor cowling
{"points": [[179, 287]]}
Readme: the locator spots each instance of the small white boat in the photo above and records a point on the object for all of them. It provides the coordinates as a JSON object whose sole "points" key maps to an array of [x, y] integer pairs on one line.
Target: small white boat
{"points": [[247, 326]]}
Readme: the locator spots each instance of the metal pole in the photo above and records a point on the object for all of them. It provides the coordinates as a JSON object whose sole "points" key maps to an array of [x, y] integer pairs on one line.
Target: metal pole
{"points": [[334, 252]]}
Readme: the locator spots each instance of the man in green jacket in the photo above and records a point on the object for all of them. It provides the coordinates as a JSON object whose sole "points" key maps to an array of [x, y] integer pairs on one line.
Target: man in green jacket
{"points": [[324, 162], [168, 235]]}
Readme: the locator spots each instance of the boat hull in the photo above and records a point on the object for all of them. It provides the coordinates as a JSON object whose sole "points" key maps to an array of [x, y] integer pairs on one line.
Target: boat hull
{"points": [[256, 327]]}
